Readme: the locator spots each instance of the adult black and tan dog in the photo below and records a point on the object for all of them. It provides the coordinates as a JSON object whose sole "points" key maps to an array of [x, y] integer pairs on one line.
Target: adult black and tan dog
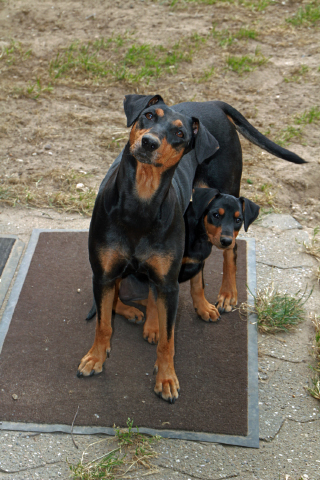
{"points": [[137, 224]]}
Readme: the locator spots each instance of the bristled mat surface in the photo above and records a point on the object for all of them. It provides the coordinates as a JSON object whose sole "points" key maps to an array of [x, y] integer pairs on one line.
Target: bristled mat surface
{"points": [[48, 336]]}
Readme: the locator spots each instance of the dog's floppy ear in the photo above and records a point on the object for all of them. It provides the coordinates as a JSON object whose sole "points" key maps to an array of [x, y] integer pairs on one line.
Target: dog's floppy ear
{"points": [[250, 211], [205, 144], [134, 104], [201, 197]]}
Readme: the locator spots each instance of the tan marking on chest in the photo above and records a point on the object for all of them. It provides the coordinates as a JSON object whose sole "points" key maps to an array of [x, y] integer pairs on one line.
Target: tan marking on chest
{"points": [[148, 179]]}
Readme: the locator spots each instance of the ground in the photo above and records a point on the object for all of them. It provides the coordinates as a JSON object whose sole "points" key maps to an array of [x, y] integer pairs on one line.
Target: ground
{"points": [[65, 67]]}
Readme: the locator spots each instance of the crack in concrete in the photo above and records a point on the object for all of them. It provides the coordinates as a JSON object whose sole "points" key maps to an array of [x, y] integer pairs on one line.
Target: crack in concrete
{"points": [[184, 472], [9, 472], [270, 439], [283, 268], [283, 359]]}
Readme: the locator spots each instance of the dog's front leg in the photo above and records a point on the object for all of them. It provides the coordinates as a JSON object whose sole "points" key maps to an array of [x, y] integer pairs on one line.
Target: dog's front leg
{"points": [[228, 294], [92, 362], [167, 384]]}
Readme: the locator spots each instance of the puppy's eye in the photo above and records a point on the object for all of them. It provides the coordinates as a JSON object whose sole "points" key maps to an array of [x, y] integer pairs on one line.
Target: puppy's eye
{"points": [[179, 134], [238, 220], [216, 215], [149, 115]]}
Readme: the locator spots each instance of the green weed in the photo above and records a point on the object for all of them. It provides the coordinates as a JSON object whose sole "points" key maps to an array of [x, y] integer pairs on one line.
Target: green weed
{"points": [[306, 15], [226, 38], [287, 134], [309, 116], [14, 52], [277, 311], [112, 60], [300, 72], [246, 63]]}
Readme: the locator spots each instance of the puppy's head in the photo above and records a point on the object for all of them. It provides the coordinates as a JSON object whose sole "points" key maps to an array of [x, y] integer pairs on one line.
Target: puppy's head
{"points": [[223, 215], [160, 136]]}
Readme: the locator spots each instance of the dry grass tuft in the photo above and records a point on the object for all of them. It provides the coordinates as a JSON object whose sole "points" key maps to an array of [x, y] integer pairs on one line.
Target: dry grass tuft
{"points": [[130, 459], [315, 389], [60, 189], [277, 311]]}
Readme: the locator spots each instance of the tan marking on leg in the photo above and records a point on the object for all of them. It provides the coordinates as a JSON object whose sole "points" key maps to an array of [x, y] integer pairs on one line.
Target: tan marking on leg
{"points": [[161, 265], [127, 311], [151, 326], [203, 308], [228, 295], [109, 257], [189, 260], [94, 359], [167, 383]]}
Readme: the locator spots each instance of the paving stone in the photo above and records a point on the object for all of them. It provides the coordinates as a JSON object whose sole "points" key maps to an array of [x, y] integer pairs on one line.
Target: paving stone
{"points": [[280, 221]]}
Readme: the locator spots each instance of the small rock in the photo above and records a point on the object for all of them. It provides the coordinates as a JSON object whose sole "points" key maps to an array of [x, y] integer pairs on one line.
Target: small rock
{"points": [[15, 396], [47, 147]]}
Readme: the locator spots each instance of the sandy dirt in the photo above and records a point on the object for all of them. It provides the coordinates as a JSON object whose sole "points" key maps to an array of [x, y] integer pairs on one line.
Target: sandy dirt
{"points": [[62, 129]]}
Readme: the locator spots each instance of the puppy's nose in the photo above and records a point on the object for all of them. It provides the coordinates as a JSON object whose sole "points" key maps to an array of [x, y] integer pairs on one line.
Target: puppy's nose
{"points": [[225, 241], [150, 143]]}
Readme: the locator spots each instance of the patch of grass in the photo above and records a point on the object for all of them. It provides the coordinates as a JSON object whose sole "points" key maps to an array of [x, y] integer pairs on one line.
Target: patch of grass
{"points": [[58, 189], [14, 52], [307, 15], [259, 5], [314, 390], [115, 59], [134, 452], [246, 63], [309, 116], [287, 134], [207, 74], [277, 311], [250, 182], [313, 247], [32, 90], [297, 74], [226, 38]]}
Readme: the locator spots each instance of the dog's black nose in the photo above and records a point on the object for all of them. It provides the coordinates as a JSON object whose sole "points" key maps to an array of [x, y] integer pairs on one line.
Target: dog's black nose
{"points": [[225, 241], [150, 143]]}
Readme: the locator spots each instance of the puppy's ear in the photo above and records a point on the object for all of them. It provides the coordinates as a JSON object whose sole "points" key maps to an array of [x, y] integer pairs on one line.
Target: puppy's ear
{"points": [[205, 144], [134, 104], [250, 211], [201, 197]]}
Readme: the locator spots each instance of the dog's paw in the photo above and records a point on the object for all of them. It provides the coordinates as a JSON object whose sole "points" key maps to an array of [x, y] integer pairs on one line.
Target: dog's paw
{"points": [[206, 311], [151, 332], [227, 301], [132, 314], [91, 364], [167, 384]]}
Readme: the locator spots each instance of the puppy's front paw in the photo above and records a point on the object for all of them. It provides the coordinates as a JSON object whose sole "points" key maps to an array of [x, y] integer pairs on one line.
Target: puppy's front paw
{"points": [[167, 383], [91, 364], [206, 311]]}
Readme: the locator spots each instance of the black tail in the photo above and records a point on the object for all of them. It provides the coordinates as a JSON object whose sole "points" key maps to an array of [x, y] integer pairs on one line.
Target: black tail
{"points": [[253, 135], [92, 312]]}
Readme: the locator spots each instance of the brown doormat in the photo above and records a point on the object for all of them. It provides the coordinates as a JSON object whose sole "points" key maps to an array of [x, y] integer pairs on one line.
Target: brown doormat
{"points": [[48, 335]]}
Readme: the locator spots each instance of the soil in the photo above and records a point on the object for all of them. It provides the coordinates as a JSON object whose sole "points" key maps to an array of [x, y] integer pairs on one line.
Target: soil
{"points": [[53, 126]]}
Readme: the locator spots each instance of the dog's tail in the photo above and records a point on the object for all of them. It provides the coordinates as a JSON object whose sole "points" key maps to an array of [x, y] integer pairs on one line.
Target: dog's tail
{"points": [[254, 136]]}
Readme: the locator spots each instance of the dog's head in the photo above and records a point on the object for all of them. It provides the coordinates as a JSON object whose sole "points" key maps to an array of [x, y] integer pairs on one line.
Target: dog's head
{"points": [[160, 136], [223, 215]]}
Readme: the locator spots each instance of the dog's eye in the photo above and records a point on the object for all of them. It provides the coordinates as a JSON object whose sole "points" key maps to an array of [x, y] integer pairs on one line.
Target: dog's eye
{"points": [[216, 215], [149, 115], [238, 220], [179, 134]]}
